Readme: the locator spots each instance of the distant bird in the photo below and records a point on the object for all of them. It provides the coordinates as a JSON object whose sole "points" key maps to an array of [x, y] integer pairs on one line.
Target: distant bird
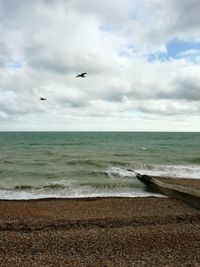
{"points": [[42, 98], [82, 75]]}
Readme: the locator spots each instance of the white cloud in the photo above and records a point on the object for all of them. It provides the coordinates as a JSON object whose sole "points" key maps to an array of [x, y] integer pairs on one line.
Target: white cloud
{"points": [[45, 43]]}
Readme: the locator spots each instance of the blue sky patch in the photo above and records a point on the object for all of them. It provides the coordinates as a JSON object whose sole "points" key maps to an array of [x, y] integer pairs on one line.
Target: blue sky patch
{"points": [[15, 65], [175, 49], [105, 28]]}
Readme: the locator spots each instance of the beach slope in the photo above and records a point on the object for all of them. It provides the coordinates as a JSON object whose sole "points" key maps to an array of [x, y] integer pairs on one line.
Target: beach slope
{"points": [[99, 232]]}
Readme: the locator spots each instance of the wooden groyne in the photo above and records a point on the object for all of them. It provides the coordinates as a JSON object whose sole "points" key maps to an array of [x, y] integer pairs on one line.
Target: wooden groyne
{"points": [[187, 190]]}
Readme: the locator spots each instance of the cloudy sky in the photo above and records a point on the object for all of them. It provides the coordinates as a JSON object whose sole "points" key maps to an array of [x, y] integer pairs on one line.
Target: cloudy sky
{"points": [[142, 60]]}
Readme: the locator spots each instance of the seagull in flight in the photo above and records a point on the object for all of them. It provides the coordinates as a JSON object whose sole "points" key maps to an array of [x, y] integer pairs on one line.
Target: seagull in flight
{"points": [[82, 75], [42, 98]]}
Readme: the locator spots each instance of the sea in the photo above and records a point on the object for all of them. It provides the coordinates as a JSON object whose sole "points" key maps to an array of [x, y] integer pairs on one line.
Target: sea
{"points": [[37, 165]]}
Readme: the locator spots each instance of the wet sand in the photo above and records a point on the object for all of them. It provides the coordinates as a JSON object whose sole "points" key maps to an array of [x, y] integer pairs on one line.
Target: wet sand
{"points": [[99, 232]]}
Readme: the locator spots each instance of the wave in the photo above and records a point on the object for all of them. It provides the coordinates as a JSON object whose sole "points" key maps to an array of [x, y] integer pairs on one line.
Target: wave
{"points": [[118, 163], [113, 185], [24, 195], [194, 160], [31, 187], [37, 163], [34, 144], [23, 187], [21, 161], [87, 186], [53, 187], [179, 171], [176, 171], [75, 191], [8, 161], [113, 181], [116, 172], [56, 144], [84, 162], [122, 154], [97, 163]]}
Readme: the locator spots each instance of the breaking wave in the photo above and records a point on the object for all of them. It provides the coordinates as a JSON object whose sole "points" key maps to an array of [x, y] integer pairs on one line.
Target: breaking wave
{"points": [[176, 171], [110, 182]]}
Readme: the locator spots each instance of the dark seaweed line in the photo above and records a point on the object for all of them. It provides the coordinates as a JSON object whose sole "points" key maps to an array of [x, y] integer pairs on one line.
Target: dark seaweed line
{"points": [[95, 223]]}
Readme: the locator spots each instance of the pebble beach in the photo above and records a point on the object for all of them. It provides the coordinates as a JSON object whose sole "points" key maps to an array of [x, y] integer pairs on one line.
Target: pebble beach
{"points": [[147, 231]]}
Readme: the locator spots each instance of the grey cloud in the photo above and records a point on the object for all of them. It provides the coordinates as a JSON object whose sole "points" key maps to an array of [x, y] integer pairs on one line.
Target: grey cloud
{"points": [[187, 14], [184, 89], [78, 102], [112, 12], [167, 20], [5, 56], [62, 38], [43, 58], [169, 108], [15, 105], [50, 59]]}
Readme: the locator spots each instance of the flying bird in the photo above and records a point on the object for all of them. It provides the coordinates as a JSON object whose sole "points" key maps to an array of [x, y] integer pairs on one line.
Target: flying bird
{"points": [[82, 75], [42, 98]]}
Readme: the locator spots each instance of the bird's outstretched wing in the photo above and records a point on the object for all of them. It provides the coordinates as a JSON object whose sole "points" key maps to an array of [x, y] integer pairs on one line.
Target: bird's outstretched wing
{"points": [[82, 75]]}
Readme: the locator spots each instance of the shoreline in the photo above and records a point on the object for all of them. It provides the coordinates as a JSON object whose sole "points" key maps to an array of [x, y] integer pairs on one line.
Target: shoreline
{"points": [[144, 194], [141, 231], [153, 195]]}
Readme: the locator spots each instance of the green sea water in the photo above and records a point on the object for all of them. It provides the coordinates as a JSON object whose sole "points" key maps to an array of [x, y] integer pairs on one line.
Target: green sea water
{"points": [[87, 164]]}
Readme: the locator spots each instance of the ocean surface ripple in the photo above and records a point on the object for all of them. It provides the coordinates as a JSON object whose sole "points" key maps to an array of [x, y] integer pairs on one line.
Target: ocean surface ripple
{"points": [[93, 164]]}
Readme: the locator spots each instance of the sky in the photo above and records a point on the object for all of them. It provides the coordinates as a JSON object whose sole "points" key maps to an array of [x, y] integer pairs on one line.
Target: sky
{"points": [[142, 60]]}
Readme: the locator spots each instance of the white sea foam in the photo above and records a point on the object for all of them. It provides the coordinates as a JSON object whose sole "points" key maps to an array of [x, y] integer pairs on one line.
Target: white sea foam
{"points": [[176, 171], [118, 183], [114, 172], [76, 193]]}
